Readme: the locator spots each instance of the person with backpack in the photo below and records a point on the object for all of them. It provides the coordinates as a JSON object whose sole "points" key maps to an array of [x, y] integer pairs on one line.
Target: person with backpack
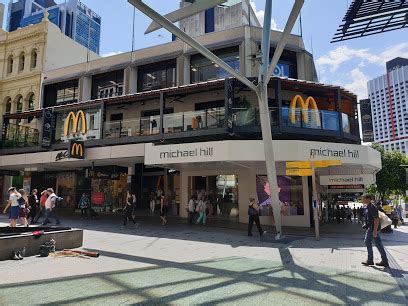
{"points": [[50, 207], [23, 202], [372, 227], [253, 213]]}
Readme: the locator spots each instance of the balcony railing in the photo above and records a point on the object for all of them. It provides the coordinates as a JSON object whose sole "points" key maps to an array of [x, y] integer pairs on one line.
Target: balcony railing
{"points": [[20, 136]]}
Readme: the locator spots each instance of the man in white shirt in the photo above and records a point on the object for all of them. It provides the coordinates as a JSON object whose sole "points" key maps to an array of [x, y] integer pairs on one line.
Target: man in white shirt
{"points": [[50, 207], [14, 206]]}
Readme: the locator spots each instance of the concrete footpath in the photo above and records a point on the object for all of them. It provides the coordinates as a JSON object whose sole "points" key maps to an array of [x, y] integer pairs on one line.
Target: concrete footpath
{"points": [[182, 264]]}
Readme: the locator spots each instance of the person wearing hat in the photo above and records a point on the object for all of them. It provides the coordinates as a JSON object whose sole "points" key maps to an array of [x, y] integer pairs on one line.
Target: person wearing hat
{"points": [[14, 206], [253, 213]]}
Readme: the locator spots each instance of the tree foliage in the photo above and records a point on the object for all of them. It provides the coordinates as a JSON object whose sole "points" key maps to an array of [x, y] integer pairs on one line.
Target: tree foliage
{"points": [[392, 177]]}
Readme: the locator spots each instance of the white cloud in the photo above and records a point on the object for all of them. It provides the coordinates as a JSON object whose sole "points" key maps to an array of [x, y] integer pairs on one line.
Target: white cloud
{"points": [[358, 84], [342, 54], [260, 14], [111, 53]]}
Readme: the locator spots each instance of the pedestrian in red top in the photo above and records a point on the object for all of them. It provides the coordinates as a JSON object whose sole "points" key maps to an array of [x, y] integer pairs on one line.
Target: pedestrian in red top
{"points": [[41, 208]]}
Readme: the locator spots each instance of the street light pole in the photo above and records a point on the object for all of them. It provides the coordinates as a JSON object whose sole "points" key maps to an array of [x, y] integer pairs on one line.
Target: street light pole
{"points": [[261, 90]]}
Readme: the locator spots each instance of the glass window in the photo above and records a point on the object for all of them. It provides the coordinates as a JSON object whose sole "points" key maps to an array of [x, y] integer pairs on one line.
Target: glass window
{"points": [[20, 105], [157, 79], [107, 85], [31, 102], [66, 95], [8, 106], [21, 63], [203, 69], [10, 64], [33, 59]]}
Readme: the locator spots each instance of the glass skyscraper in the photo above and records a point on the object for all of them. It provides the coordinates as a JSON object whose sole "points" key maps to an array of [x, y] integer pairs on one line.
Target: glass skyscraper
{"points": [[74, 19]]}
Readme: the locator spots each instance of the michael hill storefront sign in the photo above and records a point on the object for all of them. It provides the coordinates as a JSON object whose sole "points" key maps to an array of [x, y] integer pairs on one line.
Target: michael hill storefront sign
{"points": [[252, 151], [335, 180]]}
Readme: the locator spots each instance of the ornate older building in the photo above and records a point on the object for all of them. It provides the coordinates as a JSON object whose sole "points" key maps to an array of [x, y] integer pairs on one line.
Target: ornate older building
{"points": [[24, 55]]}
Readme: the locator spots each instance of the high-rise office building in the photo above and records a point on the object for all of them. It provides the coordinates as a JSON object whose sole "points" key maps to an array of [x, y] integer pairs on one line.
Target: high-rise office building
{"points": [[388, 96], [74, 19]]}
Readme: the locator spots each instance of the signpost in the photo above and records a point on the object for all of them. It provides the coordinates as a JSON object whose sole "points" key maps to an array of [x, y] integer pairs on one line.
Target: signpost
{"points": [[307, 168], [266, 70]]}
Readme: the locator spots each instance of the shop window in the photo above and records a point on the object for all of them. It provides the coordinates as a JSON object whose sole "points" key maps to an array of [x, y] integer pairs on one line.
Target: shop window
{"points": [[31, 102], [160, 75], [61, 93], [202, 69], [33, 61], [21, 62], [10, 64], [20, 105]]}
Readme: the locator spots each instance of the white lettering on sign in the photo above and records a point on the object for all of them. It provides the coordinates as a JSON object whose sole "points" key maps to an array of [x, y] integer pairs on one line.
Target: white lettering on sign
{"points": [[187, 153], [354, 153], [363, 179]]}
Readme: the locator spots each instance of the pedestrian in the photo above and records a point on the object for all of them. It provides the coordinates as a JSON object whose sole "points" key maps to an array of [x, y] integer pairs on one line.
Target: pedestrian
{"points": [[253, 216], [128, 209], [399, 214], [41, 212], [152, 202], [355, 212], [191, 209], [84, 205], [134, 203], [163, 209], [23, 202], [372, 226], [33, 205], [14, 206], [349, 213], [51, 207], [201, 209]]}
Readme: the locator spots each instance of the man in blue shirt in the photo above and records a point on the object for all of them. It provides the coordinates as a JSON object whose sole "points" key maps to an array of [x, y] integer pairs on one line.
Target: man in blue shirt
{"points": [[372, 224]]}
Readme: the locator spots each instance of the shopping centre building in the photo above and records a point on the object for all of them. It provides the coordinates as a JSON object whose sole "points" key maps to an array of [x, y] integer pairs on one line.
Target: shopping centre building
{"points": [[159, 119]]}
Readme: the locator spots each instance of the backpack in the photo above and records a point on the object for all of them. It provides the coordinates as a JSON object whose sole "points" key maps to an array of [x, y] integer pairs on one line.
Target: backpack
{"points": [[21, 202]]}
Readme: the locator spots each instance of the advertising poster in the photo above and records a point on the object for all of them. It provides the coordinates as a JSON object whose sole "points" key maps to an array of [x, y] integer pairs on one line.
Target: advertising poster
{"points": [[290, 195]]}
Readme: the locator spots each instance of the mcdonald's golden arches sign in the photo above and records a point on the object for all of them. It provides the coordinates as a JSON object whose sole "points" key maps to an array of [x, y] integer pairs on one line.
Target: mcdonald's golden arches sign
{"points": [[304, 107], [76, 149], [75, 123]]}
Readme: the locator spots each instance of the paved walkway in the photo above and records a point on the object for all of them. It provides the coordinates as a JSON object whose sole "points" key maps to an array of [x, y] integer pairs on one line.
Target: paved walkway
{"points": [[181, 264]]}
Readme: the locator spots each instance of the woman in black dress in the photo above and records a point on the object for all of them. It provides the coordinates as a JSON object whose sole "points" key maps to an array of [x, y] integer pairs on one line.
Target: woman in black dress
{"points": [[163, 209]]}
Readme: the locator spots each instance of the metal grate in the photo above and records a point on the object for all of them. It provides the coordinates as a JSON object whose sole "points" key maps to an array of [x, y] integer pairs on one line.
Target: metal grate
{"points": [[365, 17]]}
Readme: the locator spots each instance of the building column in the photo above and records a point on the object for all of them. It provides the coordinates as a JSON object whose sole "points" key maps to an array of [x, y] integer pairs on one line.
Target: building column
{"points": [[130, 80], [85, 88], [300, 61], [183, 193], [186, 71]]}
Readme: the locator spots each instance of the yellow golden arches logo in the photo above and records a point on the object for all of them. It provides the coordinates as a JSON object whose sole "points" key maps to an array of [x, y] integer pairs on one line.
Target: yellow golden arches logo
{"points": [[304, 106], [75, 117], [77, 150]]}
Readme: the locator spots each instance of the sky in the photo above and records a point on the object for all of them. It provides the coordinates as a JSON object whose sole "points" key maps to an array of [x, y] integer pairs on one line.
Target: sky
{"points": [[349, 64]]}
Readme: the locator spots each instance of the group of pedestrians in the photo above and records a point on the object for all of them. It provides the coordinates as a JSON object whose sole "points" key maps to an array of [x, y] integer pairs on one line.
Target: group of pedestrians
{"points": [[24, 207], [129, 209], [197, 209]]}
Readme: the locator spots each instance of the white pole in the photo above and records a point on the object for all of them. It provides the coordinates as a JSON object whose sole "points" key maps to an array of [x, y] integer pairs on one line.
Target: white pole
{"points": [[314, 200]]}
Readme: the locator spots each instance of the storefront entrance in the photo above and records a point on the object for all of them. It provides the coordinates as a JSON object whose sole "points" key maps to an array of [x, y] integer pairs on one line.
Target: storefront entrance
{"points": [[220, 192]]}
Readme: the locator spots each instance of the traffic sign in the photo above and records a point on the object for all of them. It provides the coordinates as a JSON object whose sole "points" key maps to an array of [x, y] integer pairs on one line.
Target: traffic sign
{"points": [[299, 172], [316, 163]]}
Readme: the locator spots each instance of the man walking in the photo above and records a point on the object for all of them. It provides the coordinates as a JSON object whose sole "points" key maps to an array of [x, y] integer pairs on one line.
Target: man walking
{"points": [[50, 206], [253, 216], [372, 223]]}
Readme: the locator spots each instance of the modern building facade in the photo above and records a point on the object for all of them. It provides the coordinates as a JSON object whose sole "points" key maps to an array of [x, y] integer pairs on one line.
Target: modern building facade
{"points": [[388, 96], [159, 120], [73, 18]]}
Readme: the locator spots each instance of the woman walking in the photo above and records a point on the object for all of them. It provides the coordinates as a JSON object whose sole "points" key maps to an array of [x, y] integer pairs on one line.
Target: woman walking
{"points": [[201, 209], [152, 202], [128, 209], [163, 209], [23, 202], [253, 213]]}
